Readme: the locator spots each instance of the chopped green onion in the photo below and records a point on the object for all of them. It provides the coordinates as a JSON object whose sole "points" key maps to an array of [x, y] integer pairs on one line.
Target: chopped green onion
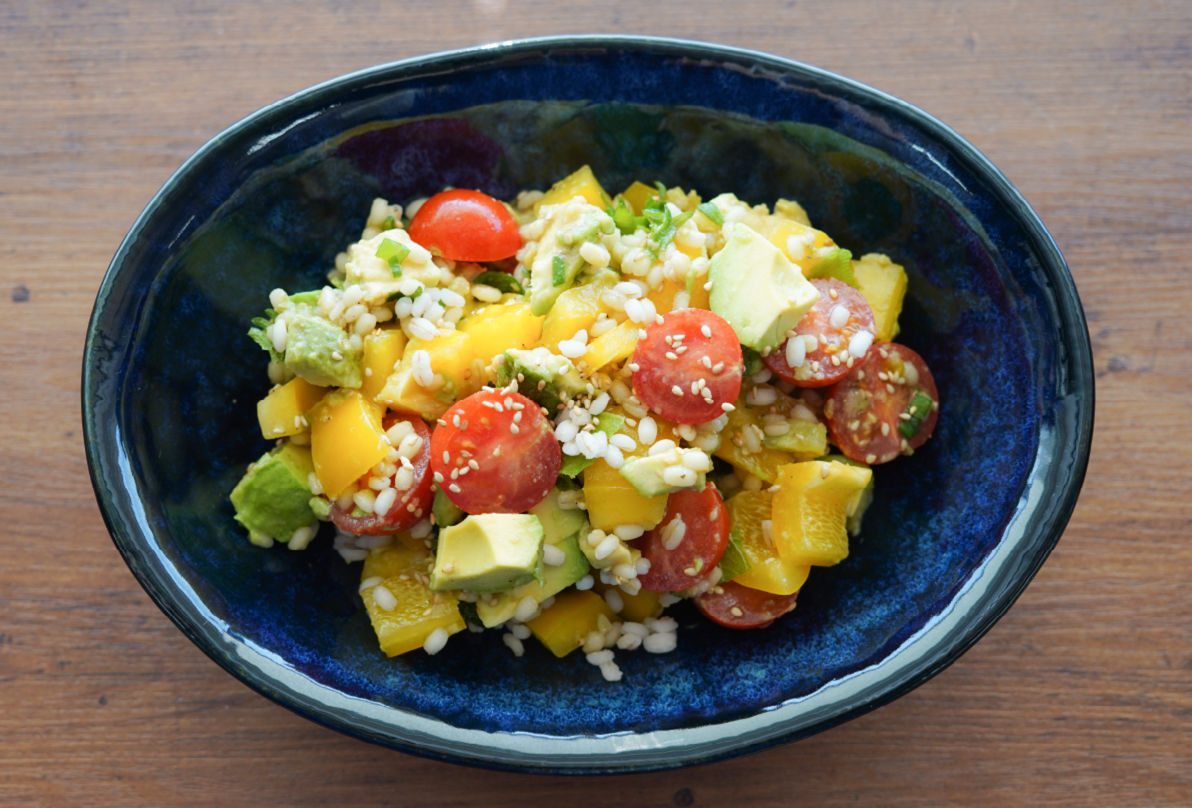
{"points": [[558, 270], [501, 281], [389, 223], [916, 411], [393, 253], [712, 212], [624, 217], [753, 360]]}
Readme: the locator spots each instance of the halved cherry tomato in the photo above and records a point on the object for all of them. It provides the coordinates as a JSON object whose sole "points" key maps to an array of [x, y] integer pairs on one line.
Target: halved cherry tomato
{"points": [[411, 504], [838, 316], [495, 452], [699, 538], [688, 366], [466, 226], [736, 606], [887, 406]]}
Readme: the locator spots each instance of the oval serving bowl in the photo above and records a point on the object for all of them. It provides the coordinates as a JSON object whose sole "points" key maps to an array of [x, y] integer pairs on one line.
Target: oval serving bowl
{"points": [[953, 536]]}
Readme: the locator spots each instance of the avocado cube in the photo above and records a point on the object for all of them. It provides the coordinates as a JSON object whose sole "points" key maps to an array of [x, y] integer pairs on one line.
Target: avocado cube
{"points": [[489, 552], [273, 497], [321, 352]]}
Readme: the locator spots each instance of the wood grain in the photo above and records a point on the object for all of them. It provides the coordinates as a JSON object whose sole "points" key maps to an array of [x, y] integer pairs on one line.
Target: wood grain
{"points": [[1081, 695]]}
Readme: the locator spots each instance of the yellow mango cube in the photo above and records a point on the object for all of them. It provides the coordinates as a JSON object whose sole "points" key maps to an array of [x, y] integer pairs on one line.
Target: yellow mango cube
{"points": [[407, 611], [811, 507], [750, 514], [612, 500], [282, 412], [501, 327], [382, 351], [581, 182], [456, 373], [346, 439], [638, 194], [883, 285], [666, 295], [575, 309], [566, 624], [614, 345]]}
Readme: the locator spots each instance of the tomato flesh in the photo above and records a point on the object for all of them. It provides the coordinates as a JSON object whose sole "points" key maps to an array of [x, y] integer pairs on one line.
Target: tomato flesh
{"points": [[464, 225], [698, 540], [688, 366], [411, 504], [832, 333], [866, 410], [735, 606], [495, 452]]}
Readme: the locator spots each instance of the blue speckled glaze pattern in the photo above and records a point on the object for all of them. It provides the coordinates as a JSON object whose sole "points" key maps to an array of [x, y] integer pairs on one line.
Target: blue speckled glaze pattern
{"points": [[953, 535]]}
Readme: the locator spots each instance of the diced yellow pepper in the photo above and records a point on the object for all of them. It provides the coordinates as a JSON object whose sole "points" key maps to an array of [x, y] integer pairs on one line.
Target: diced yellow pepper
{"points": [[612, 500], [663, 295], [346, 439], [883, 284], [741, 444], [574, 309], [566, 624], [418, 611], [808, 239], [810, 509], [282, 412], [453, 363], [581, 182], [639, 607], [748, 512], [501, 327], [382, 351], [614, 345], [638, 194]]}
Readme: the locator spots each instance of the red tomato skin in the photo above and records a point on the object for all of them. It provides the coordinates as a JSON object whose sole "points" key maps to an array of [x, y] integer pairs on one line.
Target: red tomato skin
{"points": [[858, 405], [411, 505], [757, 609], [495, 461], [704, 541], [464, 225], [817, 369], [661, 368]]}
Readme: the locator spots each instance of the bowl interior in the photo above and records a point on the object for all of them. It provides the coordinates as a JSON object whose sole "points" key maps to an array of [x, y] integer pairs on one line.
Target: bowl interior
{"points": [[171, 380]]}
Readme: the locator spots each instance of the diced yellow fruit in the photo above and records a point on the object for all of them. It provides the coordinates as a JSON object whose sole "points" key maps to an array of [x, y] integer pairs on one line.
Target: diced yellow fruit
{"points": [[883, 284], [282, 412], [807, 240], [581, 182], [663, 295], [346, 439], [501, 327], [382, 351], [418, 611], [614, 345], [451, 360], [574, 309], [741, 444], [810, 508], [748, 511], [612, 500], [566, 624], [638, 194], [639, 607]]}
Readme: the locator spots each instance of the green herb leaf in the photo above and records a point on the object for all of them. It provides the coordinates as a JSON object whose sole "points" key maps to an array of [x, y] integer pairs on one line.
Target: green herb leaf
{"points": [[734, 561], [712, 212], [393, 253], [558, 270], [502, 281], [916, 412]]}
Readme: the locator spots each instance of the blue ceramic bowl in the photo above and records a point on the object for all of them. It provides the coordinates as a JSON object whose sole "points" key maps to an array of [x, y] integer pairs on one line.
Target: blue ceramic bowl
{"points": [[955, 533]]}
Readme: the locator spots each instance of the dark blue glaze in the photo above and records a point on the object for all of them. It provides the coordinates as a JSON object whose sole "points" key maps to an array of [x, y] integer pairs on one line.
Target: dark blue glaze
{"points": [[954, 534]]}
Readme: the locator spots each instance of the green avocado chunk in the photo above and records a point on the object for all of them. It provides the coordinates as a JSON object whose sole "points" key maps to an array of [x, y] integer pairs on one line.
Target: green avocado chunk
{"points": [[321, 352], [488, 552], [542, 376], [561, 528], [272, 499], [557, 261], [757, 289]]}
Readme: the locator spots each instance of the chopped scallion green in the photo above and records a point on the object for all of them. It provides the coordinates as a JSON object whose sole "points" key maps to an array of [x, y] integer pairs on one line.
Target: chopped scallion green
{"points": [[712, 212], [916, 411], [501, 281], [393, 253], [558, 270]]}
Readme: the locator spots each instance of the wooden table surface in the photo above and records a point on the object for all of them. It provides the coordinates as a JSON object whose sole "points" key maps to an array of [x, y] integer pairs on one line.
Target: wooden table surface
{"points": [[1081, 695]]}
